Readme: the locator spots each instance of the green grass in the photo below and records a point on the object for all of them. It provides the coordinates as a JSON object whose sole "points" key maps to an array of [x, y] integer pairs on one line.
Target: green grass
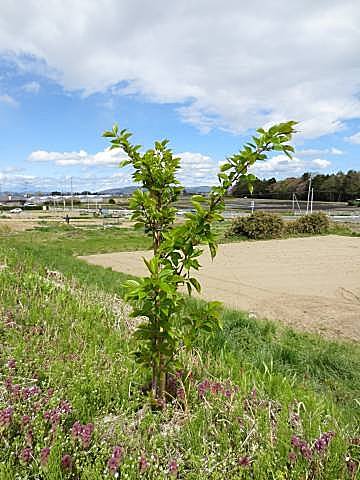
{"points": [[71, 334]]}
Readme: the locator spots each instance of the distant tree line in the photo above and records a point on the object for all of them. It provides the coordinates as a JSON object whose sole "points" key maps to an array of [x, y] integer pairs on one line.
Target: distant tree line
{"points": [[335, 187]]}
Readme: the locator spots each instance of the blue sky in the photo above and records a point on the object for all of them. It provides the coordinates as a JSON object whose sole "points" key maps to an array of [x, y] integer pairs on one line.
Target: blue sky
{"points": [[200, 74]]}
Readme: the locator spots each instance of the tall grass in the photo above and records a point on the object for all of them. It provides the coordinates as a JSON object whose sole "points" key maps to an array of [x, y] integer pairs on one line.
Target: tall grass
{"points": [[242, 399]]}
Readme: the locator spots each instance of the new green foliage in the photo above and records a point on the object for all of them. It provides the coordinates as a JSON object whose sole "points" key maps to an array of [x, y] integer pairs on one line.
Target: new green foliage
{"points": [[177, 247], [259, 225], [314, 223]]}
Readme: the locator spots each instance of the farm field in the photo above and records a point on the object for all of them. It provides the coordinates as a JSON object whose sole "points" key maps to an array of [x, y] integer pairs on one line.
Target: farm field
{"points": [[29, 219], [251, 391], [307, 283]]}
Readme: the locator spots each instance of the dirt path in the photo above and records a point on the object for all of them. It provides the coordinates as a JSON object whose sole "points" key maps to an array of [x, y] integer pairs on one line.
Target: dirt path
{"points": [[308, 283]]}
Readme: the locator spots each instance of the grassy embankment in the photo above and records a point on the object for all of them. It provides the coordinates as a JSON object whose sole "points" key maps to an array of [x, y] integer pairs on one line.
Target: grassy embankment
{"points": [[72, 333]]}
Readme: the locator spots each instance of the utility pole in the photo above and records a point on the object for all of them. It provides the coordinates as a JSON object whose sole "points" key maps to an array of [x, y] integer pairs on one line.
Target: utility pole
{"points": [[308, 196], [71, 191]]}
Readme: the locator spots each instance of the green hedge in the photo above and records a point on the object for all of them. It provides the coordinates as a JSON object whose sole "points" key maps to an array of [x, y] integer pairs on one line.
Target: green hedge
{"points": [[259, 225], [313, 223], [263, 225]]}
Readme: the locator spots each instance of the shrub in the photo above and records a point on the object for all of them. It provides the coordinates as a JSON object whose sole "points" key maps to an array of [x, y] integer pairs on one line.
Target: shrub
{"points": [[176, 248], [258, 225], [313, 223]]}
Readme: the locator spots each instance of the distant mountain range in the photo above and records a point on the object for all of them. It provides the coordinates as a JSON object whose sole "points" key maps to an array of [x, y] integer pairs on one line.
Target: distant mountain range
{"points": [[118, 191]]}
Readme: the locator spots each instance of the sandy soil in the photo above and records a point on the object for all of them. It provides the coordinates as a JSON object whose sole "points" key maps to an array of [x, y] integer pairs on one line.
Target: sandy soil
{"points": [[15, 223], [308, 283]]}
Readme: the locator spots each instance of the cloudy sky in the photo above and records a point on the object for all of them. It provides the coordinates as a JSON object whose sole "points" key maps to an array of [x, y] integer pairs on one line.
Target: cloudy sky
{"points": [[202, 73]]}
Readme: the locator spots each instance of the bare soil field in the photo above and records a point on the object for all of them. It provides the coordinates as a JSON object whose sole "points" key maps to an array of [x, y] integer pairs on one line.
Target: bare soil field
{"points": [[310, 284], [30, 220]]}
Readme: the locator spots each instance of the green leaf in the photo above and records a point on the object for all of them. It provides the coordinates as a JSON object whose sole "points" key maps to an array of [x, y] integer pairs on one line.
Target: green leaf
{"points": [[213, 250], [224, 167], [108, 134], [131, 284], [123, 163], [198, 198], [195, 284]]}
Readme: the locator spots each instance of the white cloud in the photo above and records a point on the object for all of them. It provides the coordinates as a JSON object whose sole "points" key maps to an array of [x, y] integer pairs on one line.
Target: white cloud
{"points": [[311, 152], [281, 166], [31, 87], [10, 181], [8, 100], [197, 169], [107, 157], [336, 151], [318, 162], [354, 138], [233, 67]]}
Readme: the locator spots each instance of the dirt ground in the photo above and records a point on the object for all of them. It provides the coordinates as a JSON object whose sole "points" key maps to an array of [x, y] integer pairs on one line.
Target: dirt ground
{"points": [[15, 223], [311, 284]]}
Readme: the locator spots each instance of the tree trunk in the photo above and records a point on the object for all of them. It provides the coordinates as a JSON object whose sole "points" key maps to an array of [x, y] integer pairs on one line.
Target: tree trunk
{"points": [[162, 379]]}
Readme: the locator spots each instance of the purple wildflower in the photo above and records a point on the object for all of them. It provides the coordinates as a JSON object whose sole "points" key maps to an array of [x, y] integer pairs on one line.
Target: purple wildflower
{"points": [[11, 363], [305, 451], [203, 388], [29, 437], [65, 406], [292, 457], [66, 462], [29, 392], [180, 393], [352, 467], [16, 391], [76, 430], [143, 464], [44, 455], [86, 434], [26, 454], [244, 461], [6, 417], [322, 442], [8, 384], [83, 433], [118, 452], [295, 441], [25, 420], [319, 444], [113, 465], [115, 459], [173, 468]]}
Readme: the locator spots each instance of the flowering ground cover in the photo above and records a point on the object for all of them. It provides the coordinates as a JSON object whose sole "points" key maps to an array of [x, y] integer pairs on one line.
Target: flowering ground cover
{"points": [[257, 401]]}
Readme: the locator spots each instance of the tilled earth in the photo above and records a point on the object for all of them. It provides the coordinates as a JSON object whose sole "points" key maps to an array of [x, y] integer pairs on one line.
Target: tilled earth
{"points": [[308, 283]]}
